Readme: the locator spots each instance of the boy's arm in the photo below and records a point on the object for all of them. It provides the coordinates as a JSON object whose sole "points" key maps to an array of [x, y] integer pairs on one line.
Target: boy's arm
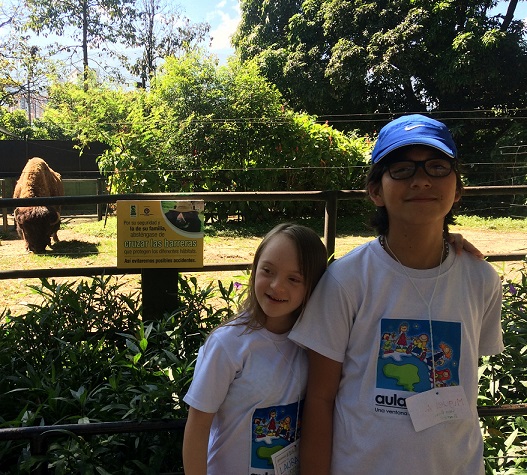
{"points": [[316, 441], [196, 441]]}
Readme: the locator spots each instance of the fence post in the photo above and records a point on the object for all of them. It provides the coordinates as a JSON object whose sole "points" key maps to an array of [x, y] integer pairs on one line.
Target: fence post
{"points": [[38, 447], [160, 292], [100, 191], [4, 210], [330, 223]]}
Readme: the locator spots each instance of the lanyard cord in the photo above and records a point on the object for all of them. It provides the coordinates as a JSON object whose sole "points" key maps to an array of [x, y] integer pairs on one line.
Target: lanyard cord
{"points": [[428, 304]]}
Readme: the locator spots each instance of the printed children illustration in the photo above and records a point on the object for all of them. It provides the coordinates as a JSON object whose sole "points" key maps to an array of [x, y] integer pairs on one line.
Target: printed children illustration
{"points": [[420, 346], [273, 429], [271, 426], [284, 428], [402, 342], [407, 361]]}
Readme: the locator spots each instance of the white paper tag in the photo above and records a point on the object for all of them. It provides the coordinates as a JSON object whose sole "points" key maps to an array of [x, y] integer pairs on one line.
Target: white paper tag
{"points": [[438, 405], [287, 461]]}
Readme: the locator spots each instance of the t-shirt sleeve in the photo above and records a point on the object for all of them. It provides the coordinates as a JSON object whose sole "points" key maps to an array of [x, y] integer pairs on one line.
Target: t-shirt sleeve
{"points": [[213, 375], [491, 337], [326, 323]]}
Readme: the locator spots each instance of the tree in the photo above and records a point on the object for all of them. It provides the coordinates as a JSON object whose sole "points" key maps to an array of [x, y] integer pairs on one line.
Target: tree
{"points": [[342, 56], [201, 127], [161, 31], [23, 68], [92, 23]]}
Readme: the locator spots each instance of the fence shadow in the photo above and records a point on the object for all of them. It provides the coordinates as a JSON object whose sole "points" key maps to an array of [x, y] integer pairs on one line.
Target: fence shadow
{"points": [[74, 249]]}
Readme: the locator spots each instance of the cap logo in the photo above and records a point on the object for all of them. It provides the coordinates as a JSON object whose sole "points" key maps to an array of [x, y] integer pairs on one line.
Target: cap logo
{"points": [[411, 127]]}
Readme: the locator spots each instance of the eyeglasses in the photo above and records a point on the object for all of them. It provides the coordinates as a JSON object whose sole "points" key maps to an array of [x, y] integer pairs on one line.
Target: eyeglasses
{"points": [[434, 167]]}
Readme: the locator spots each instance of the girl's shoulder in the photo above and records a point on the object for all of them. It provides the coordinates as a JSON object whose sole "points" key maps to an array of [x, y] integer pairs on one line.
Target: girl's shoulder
{"points": [[234, 339]]}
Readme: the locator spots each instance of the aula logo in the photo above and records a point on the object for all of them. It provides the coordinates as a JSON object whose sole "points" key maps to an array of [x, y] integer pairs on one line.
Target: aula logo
{"points": [[390, 400]]}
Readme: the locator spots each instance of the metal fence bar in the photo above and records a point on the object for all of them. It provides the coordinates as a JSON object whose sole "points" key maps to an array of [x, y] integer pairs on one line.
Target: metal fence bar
{"points": [[236, 196], [108, 270], [39, 436], [206, 196], [112, 270], [124, 427], [330, 223]]}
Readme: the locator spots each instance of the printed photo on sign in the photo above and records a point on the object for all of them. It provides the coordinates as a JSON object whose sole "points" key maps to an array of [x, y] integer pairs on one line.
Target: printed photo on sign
{"points": [[184, 215]]}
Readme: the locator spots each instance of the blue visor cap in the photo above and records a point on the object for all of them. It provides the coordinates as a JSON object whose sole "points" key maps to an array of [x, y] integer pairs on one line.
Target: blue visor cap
{"points": [[415, 129]]}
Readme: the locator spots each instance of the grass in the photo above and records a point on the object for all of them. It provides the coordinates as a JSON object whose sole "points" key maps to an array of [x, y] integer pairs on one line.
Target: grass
{"points": [[500, 224]]}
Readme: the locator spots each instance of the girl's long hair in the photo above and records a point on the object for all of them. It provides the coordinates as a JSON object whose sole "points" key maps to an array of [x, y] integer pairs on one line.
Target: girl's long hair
{"points": [[313, 259]]}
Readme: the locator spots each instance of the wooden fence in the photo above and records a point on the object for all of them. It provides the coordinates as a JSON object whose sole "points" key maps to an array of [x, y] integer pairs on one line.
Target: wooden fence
{"points": [[72, 187]]}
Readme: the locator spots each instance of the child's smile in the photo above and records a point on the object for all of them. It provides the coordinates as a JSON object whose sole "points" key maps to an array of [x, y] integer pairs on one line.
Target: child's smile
{"points": [[279, 284]]}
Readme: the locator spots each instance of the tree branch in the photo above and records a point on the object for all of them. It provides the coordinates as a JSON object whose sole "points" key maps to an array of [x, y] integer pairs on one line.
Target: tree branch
{"points": [[507, 19]]}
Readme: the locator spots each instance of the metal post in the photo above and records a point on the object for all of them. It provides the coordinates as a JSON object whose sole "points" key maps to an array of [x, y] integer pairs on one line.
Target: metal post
{"points": [[4, 210], [100, 191], [39, 447], [160, 292], [330, 224]]}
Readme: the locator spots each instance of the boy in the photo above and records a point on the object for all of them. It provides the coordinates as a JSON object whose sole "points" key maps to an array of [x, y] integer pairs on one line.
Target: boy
{"points": [[401, 316]]}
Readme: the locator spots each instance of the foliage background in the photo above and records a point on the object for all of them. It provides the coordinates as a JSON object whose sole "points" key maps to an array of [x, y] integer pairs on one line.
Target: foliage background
{"points": [[85, 355]]}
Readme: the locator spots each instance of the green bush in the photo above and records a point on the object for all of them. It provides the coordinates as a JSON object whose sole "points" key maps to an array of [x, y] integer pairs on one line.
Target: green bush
{"points": [[85, 356], [503, 381]]}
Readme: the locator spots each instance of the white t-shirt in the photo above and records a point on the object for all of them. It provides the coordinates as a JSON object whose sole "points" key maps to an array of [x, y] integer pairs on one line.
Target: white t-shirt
{"points": [[254, 383], [367, 314]]}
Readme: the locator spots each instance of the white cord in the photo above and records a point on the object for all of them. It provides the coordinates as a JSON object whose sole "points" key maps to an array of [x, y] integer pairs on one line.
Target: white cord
{"points": [[428, 304]]}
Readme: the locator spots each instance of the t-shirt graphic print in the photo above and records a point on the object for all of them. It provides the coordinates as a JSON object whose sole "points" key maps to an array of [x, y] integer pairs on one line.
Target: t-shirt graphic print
{"points": [[273, 429], [407, 363]]}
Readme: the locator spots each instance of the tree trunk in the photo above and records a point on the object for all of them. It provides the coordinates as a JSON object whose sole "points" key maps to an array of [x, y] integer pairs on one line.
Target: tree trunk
{"points": [[85, 44], [509, 15]]}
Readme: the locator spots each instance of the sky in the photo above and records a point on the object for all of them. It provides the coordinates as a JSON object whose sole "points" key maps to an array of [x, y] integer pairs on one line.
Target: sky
{"points": [[224, 16]]}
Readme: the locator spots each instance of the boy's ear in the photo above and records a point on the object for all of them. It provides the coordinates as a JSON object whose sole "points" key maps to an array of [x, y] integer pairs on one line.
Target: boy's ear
{"points": [[375, 192]]}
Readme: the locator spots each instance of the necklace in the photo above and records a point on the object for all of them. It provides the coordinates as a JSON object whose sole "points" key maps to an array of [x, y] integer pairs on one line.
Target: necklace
{"points": [[384, 244]]}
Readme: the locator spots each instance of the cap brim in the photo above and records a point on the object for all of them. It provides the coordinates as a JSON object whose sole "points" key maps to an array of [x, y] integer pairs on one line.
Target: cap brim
{"points": [[429, 142]]}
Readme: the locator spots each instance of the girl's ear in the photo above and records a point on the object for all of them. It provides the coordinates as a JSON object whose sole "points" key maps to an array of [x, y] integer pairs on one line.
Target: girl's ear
{"points": [[375, 192], [457, 196]]}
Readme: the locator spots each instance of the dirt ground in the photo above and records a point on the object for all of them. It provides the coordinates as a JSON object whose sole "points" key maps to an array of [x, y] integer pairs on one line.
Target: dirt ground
{"points": [[488, 241]]}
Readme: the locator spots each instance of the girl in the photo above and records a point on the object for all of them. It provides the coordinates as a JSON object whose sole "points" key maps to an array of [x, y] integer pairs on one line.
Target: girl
{"points": [[377, 403], [249, 382]]}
